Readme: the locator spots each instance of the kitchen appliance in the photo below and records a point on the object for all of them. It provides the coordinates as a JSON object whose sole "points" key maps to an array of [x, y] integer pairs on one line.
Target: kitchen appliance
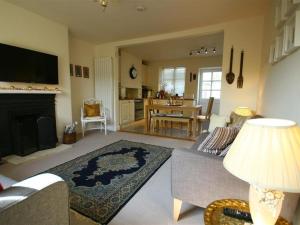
{"points": [[138, 109], [146, 92]]}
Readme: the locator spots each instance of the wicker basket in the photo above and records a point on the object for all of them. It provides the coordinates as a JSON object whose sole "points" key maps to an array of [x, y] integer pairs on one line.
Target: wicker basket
{"points": [[69, 138]]}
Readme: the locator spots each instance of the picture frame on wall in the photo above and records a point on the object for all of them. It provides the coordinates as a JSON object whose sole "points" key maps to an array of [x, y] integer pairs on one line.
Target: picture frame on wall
{"points": [[71, 70], [194, 76], [78, 71], [86, 72]]}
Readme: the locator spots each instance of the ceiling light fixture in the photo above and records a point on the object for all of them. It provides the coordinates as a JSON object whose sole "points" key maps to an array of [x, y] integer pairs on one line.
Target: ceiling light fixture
{"points": [[103, 3], [140, 8], [203, 51]]}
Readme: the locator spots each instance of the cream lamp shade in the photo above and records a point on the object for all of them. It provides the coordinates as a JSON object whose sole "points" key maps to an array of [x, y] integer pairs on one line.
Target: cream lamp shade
{"points": [[266, 153], [243, 111]]}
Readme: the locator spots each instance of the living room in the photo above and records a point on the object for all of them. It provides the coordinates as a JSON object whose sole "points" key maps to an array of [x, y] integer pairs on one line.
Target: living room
{"points": [[87, 38]]}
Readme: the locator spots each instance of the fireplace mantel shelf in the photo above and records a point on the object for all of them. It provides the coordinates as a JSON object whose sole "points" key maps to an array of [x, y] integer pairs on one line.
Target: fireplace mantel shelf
{"points": [[11, 91]]}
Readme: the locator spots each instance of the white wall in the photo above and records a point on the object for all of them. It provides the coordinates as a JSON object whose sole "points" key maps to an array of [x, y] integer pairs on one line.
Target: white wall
{"points": [[81, 53], [24, 29], [128, 60], [280, 92], [247, 35], [281, 96]]}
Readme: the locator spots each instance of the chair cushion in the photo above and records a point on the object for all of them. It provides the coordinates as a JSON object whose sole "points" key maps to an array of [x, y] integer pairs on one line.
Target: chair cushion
{"points": [[93, 118], [92, 110], [218, 140], [216, 121]]}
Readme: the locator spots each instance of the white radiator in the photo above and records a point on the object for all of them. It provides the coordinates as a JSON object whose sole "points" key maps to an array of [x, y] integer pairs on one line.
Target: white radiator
{"points": [[104, 85]]}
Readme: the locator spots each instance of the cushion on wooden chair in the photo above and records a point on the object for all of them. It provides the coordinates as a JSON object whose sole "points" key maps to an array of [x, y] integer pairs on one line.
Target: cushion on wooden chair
{"points": [[92, 110]]}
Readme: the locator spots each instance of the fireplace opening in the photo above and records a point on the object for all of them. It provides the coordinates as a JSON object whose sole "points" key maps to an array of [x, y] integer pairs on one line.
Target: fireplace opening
{"points": [[27, 123], [46, 132], [24, 130], [32, 133]]}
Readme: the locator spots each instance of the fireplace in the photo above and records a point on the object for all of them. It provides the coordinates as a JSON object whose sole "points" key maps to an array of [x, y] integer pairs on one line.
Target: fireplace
{"points": [[27, 123]]}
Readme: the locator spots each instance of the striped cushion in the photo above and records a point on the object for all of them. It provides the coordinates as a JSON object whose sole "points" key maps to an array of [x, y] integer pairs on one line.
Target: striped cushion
{"points": [[224, 152], [218, 140]]}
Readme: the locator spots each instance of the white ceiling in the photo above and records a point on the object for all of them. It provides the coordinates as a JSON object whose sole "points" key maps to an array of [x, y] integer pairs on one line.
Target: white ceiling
{"points": [[177, 48], [121, 20]]}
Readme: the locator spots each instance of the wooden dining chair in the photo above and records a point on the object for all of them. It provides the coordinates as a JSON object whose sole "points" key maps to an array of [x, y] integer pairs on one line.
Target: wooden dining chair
{"points": [[152, 113], [203, 118]]}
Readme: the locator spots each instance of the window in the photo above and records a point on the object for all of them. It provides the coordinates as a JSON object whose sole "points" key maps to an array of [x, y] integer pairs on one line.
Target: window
{"points": [[210, 85], [172, 80]]}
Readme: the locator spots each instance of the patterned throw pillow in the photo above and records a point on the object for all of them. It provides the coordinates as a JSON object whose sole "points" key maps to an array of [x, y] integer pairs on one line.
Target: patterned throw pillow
{"points": [[224, 152], [219, 140]]}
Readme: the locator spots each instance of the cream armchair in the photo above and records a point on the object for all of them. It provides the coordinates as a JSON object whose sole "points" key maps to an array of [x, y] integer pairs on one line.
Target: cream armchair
{"points": [[98, 121]]}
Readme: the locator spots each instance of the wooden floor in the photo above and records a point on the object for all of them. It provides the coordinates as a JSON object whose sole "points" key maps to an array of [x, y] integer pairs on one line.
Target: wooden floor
{"points": [[178, 131]]}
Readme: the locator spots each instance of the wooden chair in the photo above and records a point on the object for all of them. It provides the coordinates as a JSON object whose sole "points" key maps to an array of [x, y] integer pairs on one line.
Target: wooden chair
{"points": [[100, 120], [206, 116], [152, 112]]}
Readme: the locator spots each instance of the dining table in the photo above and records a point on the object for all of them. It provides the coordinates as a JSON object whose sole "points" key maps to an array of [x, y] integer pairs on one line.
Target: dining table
{"points": [[195, 110]]}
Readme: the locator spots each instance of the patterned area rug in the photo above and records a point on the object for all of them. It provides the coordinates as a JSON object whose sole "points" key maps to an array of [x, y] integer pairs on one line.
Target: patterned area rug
{"points": [[103, 181]]}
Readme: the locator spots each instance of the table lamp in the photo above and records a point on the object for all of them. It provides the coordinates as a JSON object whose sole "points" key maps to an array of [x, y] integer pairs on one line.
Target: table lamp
{"points": [[266, 154], [243, 111]]}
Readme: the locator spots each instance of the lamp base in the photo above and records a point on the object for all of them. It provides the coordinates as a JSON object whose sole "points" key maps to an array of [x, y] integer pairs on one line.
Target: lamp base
{"points": [[265, 205]]}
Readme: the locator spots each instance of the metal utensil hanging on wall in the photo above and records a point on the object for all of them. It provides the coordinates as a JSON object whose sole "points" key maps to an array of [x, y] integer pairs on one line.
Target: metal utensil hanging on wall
{"points": [[240, 81], [230, 75]]}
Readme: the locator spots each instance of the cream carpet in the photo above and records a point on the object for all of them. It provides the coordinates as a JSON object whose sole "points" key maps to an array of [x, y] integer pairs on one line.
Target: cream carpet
{"points": [[152, 204]]}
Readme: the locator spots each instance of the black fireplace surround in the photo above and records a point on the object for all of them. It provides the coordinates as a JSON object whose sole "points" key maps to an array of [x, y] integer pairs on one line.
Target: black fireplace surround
{"points": [[27, 123]]}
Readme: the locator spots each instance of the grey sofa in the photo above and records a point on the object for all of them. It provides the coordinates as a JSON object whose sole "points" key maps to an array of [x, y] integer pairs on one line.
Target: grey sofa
{"points": [[199, 178], [39, 200]]}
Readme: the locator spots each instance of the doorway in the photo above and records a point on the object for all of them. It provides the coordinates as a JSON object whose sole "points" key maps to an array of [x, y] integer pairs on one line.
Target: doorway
{"points": [[210, 85]]}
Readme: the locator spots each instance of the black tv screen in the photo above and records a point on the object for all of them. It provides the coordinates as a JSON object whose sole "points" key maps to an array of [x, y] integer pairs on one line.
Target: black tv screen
{"points": [[23, 65]]}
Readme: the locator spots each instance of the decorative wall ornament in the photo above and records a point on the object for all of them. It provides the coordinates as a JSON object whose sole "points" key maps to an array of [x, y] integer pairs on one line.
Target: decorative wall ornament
{"points": [[78, 71], [230, 75], [132, 72], [12, 88], [240, 81], [203, 51], [86, 72]]}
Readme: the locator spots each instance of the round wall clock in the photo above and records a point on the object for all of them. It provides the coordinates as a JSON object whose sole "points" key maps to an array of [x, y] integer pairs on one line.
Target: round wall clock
{"points": [[132, 72]]}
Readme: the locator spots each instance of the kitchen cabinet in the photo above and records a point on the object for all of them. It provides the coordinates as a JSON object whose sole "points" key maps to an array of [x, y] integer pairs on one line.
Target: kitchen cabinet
{"points": [[126, 111]]}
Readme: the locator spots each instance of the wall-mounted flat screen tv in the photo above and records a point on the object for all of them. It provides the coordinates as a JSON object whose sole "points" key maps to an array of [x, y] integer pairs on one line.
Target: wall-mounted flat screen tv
{"points": [[24, 65]]}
